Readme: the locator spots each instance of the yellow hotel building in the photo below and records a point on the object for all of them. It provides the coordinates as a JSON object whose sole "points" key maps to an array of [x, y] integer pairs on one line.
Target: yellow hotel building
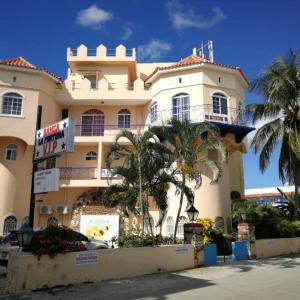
{"points": [[105, 91]]}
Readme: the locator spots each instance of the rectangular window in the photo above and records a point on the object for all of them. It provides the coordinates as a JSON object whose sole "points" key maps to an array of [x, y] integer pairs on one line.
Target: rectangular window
{"points": [[11, 154], [51, 163]]}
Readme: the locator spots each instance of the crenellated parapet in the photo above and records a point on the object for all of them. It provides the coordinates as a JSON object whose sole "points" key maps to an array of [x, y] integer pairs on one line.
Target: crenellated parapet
{"points": [[101, 53]]}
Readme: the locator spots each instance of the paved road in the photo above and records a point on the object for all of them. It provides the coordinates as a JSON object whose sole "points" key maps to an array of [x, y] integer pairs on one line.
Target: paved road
{"points": [[277, 278]]}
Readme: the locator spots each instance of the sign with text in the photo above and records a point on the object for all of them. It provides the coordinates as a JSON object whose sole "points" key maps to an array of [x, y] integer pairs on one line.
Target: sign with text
{"points": [[55, 139], [100, 227], [46, 181], [86, 258], [182, 250]]}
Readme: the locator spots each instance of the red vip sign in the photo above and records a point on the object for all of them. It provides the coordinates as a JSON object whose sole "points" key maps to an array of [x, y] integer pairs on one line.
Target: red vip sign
{"points": [[55, 139]]}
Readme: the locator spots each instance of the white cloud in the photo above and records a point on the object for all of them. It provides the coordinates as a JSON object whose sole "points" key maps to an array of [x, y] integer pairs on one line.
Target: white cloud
{"points": [[154, 50], [93, 17], [127, 33], [183, 17]]}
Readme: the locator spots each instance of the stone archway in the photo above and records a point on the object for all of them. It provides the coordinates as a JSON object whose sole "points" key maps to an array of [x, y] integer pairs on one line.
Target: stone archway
{"points": [[91, 203]]}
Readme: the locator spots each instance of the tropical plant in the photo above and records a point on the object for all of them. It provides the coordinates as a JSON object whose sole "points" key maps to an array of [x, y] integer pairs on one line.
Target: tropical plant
{"points": [[207, 225], [280, 112], [189, 144], [145, 174]]}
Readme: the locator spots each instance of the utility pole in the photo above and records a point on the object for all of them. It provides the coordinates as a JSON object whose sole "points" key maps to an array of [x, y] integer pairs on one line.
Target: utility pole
{"points": [[34, 168]]}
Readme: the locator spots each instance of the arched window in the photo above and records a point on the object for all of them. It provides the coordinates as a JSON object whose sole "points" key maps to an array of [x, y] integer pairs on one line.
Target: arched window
{"points": [[170, 226], [10, 223], [124, 118], [181, 107], [219, 104], [92, 123], [219, 223], [11, 152], [12, 104], [153, 112], [52, 221], [180, 227], [91, 155]]}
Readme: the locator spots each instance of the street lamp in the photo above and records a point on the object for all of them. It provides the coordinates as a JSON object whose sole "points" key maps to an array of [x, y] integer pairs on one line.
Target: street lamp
{"points": [[192, 213], [24, 236]]}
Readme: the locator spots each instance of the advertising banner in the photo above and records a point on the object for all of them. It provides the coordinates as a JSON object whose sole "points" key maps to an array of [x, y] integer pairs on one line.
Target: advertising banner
{"points": [[46, 181], [55, 139], [100, 227]]}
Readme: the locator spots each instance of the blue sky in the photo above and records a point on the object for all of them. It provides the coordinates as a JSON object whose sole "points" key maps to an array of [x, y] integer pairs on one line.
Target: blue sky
{"points": [[249, 34]]}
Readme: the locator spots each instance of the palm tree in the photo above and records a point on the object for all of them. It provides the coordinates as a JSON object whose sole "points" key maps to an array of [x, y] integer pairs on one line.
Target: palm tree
{"points": [[280, 88], [189, 144], [144, 174]]}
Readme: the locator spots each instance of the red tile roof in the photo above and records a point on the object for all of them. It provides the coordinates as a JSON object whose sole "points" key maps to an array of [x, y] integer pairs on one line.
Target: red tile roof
{"points": [[18, 62], [21, 62], [196, 60], [190, 60]]}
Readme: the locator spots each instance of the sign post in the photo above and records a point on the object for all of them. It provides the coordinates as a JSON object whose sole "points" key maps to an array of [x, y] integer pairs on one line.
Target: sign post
{"points": [[50, 141]]}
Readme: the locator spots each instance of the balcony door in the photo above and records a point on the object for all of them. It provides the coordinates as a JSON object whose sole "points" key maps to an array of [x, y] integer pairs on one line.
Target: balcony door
{"points": [[92, 123], [181, 107]]}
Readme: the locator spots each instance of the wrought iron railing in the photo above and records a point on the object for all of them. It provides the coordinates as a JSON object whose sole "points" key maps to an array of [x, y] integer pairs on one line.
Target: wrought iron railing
{"points": [[200, 113]]}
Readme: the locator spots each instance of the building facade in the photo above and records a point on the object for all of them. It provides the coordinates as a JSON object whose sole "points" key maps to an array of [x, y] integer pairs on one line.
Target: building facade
{"points": [[107, 90]]}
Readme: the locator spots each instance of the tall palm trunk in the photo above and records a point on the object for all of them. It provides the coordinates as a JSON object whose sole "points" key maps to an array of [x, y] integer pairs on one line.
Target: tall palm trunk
{"points": [[179, 208]]}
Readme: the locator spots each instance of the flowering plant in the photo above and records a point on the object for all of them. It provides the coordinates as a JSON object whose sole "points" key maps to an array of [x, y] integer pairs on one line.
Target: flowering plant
{"points": [[54, 240]]}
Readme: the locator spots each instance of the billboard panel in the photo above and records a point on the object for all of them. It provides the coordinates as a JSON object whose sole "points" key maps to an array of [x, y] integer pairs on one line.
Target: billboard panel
{"points": [[100, 227], [55, 139]]}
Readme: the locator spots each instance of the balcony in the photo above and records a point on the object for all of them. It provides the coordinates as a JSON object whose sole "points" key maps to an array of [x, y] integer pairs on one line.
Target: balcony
{"points": [[115, 93], [104, 130], [200, 113], [85, 177]]}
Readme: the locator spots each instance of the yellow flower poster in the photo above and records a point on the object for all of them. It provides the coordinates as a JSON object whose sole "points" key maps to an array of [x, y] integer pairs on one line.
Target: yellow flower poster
{"points": [[100, 227]]}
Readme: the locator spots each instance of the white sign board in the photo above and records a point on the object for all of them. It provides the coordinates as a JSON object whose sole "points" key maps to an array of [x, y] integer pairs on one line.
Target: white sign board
{"points": [[55, 139], [100, 227], [86, 258], [46, 181], [182, 250]]}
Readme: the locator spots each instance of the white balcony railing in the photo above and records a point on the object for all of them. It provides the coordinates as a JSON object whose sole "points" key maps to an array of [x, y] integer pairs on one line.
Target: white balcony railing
{"points": [[70, 173]]}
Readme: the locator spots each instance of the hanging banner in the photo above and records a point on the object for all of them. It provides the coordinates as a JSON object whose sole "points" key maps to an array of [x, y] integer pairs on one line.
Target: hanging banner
{"points": [[55, 139], [100, 227]]}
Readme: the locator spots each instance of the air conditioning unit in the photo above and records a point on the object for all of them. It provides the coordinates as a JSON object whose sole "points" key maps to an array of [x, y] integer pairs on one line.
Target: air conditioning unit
{"points": [[46, 210], [62, 209]]}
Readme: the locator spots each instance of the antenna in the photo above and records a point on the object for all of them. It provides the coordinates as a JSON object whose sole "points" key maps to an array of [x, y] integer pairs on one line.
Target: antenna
{"points": [[209, 50]]}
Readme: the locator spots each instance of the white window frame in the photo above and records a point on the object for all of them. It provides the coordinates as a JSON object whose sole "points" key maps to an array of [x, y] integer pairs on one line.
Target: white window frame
{"points": [[169, 226], [180, 228], [9, 226], [13, 152], [93, 131], [91, 155], [18, 96], [218, 95], [153, 112], [124, 118], [52, 221], [181, 103]]}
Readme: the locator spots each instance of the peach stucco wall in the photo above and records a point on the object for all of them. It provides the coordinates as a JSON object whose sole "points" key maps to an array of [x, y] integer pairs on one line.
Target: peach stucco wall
{"points": [[28, 273]]}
